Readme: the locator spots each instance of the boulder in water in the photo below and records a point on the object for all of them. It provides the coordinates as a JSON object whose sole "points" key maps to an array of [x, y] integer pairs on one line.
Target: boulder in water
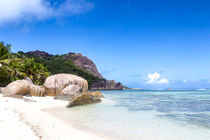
{"points": [[83, 99]]}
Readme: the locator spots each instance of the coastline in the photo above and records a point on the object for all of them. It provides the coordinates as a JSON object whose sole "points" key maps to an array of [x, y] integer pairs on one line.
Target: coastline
{"points": [[23, 120]]}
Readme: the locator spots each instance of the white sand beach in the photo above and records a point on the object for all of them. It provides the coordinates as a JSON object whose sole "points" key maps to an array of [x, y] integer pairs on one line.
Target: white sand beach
{"points": [[23, 120]]}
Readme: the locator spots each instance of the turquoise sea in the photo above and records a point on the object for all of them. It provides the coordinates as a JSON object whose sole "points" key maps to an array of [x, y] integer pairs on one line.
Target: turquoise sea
{"points": [[148, 115]]}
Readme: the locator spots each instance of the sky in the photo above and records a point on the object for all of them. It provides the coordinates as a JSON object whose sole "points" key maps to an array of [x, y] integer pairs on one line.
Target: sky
{"points": [[151, 44]]}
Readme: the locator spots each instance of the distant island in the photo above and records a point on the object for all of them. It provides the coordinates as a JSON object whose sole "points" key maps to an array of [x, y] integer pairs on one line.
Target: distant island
{"points": [[38, 65]]}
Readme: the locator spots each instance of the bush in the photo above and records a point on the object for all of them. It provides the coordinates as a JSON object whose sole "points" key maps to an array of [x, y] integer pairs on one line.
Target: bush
{"points": [[17, 66]]}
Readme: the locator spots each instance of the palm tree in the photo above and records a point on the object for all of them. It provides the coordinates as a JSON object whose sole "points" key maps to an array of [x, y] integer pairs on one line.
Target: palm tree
{"points": [[17, 66], [4, 51]]}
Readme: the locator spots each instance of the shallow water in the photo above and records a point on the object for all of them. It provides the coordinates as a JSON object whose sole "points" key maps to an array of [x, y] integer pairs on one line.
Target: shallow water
{"points": [[148, 115]]}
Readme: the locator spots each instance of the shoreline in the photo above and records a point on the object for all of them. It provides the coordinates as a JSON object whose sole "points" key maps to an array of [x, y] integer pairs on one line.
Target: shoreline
{"points": [[30, 121], [56, 111]]}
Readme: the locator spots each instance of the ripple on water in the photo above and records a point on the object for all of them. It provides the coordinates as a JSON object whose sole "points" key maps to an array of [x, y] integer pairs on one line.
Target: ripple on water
{"points": [[167, 102]]}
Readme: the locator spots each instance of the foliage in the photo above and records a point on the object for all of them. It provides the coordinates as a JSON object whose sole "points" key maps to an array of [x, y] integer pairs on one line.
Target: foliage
{"points": [[17, 66], [4, 51], [57, 64], [20, 65]]}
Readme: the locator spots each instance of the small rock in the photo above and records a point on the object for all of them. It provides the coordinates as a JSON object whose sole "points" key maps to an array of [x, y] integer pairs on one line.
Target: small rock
{"points": [[83, 100], [97, 94]]}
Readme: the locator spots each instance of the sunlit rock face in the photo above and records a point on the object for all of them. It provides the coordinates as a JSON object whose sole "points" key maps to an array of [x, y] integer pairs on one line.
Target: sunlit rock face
{"points": [[23, 87], [72, 90], [1, 89], [37, 90], [86, 64], [83, 99], [19, 87], [59, 84]]}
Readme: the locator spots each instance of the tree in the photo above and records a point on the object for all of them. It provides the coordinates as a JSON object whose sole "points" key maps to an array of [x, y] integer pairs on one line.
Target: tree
{"points": [[17, 66], [4, 51]]}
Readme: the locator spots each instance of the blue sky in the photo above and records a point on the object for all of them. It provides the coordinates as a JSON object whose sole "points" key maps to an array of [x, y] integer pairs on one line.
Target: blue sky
{"points": [[142, 43]]}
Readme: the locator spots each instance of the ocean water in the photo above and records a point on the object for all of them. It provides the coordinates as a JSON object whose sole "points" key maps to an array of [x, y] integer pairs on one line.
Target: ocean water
{"points": [[148, 115]]}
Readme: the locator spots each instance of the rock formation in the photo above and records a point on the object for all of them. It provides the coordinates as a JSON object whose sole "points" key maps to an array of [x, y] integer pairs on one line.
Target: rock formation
{"points": [[56, 84], [71, 89], [86, 64], [19, 87], [37, 90], [106, 85], [23, 87], [83, 100], [1, 89]]}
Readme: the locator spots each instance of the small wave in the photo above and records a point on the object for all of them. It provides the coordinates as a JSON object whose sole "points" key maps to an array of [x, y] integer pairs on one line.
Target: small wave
{"points": [[202, 89]]}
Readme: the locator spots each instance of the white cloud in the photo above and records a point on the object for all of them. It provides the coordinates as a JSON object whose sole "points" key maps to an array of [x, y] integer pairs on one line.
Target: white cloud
{"points": [[14, 10], [163, 81], [155, 79]]}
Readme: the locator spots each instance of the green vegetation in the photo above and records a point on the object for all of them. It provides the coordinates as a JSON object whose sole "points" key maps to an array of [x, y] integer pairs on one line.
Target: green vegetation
{"points": [[17, 66], [57, 64]]}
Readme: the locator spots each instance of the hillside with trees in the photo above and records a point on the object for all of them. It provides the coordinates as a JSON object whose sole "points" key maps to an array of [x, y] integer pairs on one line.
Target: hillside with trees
{"points": [[38, 65]]}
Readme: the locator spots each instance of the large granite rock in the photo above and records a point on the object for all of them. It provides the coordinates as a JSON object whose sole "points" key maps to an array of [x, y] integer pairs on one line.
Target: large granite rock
{"points": [[56, 84], [37, 90], [84, 63], [23, 87], [19, 87], [106, 85], [83, 99], [1, 89], [71, 89], [28, 80]]}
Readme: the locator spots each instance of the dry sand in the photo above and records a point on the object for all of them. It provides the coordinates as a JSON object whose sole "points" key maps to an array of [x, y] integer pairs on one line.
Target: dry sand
{"points": [[25, 120]]}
